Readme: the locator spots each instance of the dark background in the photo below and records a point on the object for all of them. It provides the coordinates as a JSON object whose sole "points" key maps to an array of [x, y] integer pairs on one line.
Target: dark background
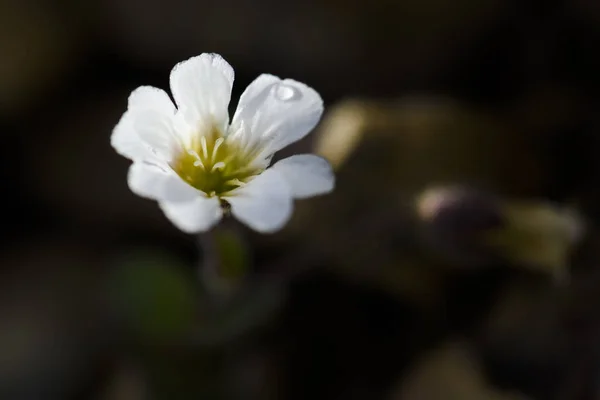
{"points": [[370, 292]]}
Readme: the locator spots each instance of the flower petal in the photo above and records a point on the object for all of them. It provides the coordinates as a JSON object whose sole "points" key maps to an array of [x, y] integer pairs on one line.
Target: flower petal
{"points": [[197, 215], [150, 98], [152, 182], [264, 204], [157, 132], [125, 139], [201, 87], [307, 175], [274, 113]]}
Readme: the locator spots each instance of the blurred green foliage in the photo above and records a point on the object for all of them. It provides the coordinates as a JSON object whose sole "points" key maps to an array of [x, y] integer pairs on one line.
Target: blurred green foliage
{"points": [[155, 295]]}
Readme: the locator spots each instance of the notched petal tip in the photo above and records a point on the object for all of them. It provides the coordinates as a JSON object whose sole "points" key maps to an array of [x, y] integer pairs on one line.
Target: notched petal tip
{"points": [[208, 59], [198, 215], [144, 100], [157, 183], [206, 65], [150, 98], [125, 141], [218, 62], [307, 175], [277, 112], [201, 87], [304, 88]]}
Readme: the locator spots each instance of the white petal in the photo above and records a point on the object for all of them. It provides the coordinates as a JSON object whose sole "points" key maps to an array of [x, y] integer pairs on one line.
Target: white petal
{"points": [[277, 112], [156, 131], [151, 98], [198, 215], [306, 174], [264, 204], [126, 141], [201, 87], [125, 138], [153, 182]]}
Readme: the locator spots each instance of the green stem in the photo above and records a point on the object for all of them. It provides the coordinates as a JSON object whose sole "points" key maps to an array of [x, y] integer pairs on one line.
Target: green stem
{"points": [[224, 262]]}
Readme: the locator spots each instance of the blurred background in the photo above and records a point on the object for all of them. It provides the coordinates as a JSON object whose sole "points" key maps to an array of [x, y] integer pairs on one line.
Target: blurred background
{"points": [[457, 258]]}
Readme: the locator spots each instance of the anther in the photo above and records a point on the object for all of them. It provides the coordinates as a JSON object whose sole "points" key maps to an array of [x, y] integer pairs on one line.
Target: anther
{"points": [[219, 165], [193, 153], [235, 182], [204, 146], [218, 144]]}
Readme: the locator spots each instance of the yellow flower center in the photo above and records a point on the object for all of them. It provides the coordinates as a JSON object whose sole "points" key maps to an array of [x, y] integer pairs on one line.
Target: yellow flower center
{"points": [[215, 165]]}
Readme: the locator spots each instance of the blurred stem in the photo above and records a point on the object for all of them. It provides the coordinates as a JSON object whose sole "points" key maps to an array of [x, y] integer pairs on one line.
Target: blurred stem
{"points": [[224, 261], [208, 264]]}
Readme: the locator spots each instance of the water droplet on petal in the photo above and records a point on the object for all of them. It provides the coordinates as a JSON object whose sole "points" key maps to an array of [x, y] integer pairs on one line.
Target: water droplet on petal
{"points": [[285, 92]]}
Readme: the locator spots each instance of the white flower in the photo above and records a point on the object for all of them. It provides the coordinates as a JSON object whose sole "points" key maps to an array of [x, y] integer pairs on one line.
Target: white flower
{"points": [[197, 164]]}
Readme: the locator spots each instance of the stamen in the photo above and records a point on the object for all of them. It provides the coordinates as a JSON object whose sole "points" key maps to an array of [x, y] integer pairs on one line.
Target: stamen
{"points": [[219, 165], [199, 163], [193, 153], [204, 146], [235, 182], [218, 144]]}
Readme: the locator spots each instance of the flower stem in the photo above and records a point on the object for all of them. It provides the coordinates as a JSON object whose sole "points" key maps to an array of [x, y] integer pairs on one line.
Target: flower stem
{"points": [[224, 261]]}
